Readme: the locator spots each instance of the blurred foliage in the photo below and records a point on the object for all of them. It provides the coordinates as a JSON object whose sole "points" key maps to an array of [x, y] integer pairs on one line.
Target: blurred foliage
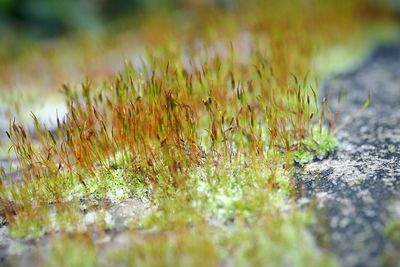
{"points": [[49, 18], [46, 18]]}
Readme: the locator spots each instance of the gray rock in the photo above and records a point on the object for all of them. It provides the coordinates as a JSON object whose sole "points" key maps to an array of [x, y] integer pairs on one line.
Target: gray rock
{"points": [[359, 180]]}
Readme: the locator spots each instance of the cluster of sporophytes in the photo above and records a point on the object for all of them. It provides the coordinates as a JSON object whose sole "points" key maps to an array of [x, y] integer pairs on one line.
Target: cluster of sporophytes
{"points": [[208, 132], [159, 125]]}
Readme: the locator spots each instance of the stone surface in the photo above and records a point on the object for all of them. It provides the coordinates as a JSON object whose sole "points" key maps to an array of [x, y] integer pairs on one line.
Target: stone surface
{"points": [[354, 187]]}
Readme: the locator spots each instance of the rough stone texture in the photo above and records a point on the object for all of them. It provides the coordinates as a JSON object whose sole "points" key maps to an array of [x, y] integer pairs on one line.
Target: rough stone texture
{"points": [[354, 187]]}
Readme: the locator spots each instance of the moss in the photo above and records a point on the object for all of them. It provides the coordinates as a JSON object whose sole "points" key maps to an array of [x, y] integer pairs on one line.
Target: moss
{"points": [[302, 156], [318, 145], [72, 251], [21, 228], [35, 222], [392, 230], [250, 228], [272, 240], [208, 131]]}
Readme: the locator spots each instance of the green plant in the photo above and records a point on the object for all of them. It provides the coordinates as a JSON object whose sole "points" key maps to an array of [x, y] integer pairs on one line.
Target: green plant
{"points": [[208, 132]]}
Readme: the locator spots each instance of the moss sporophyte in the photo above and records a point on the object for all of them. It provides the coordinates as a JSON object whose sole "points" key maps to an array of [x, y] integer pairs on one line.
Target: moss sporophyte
{"points": [[205, 132]]}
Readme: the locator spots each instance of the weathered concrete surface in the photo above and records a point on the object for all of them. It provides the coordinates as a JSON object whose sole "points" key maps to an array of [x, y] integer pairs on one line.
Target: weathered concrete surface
{"points": [[355, 186]]}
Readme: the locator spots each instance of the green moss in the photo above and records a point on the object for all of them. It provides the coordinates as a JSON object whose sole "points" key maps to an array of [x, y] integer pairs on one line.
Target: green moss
{"points": [[38, 221], [271, 240], [28, 227], [72, 251], [320, 144], [211, 144], [302, 156], [250, 229], [392, 230]]}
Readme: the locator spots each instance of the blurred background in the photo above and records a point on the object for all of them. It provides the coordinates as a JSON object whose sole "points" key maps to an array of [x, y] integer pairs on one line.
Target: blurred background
{"points": [[51, 18]]}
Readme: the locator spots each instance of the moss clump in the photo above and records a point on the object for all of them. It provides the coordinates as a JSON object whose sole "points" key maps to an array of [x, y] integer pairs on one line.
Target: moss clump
{"points": [[72, 251], [321, 144], [208, 130], [392, 230]]}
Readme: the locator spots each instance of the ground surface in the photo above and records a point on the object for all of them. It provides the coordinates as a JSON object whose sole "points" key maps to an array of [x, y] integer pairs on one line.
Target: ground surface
{"points": [[358, 188], [355, 189]]}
